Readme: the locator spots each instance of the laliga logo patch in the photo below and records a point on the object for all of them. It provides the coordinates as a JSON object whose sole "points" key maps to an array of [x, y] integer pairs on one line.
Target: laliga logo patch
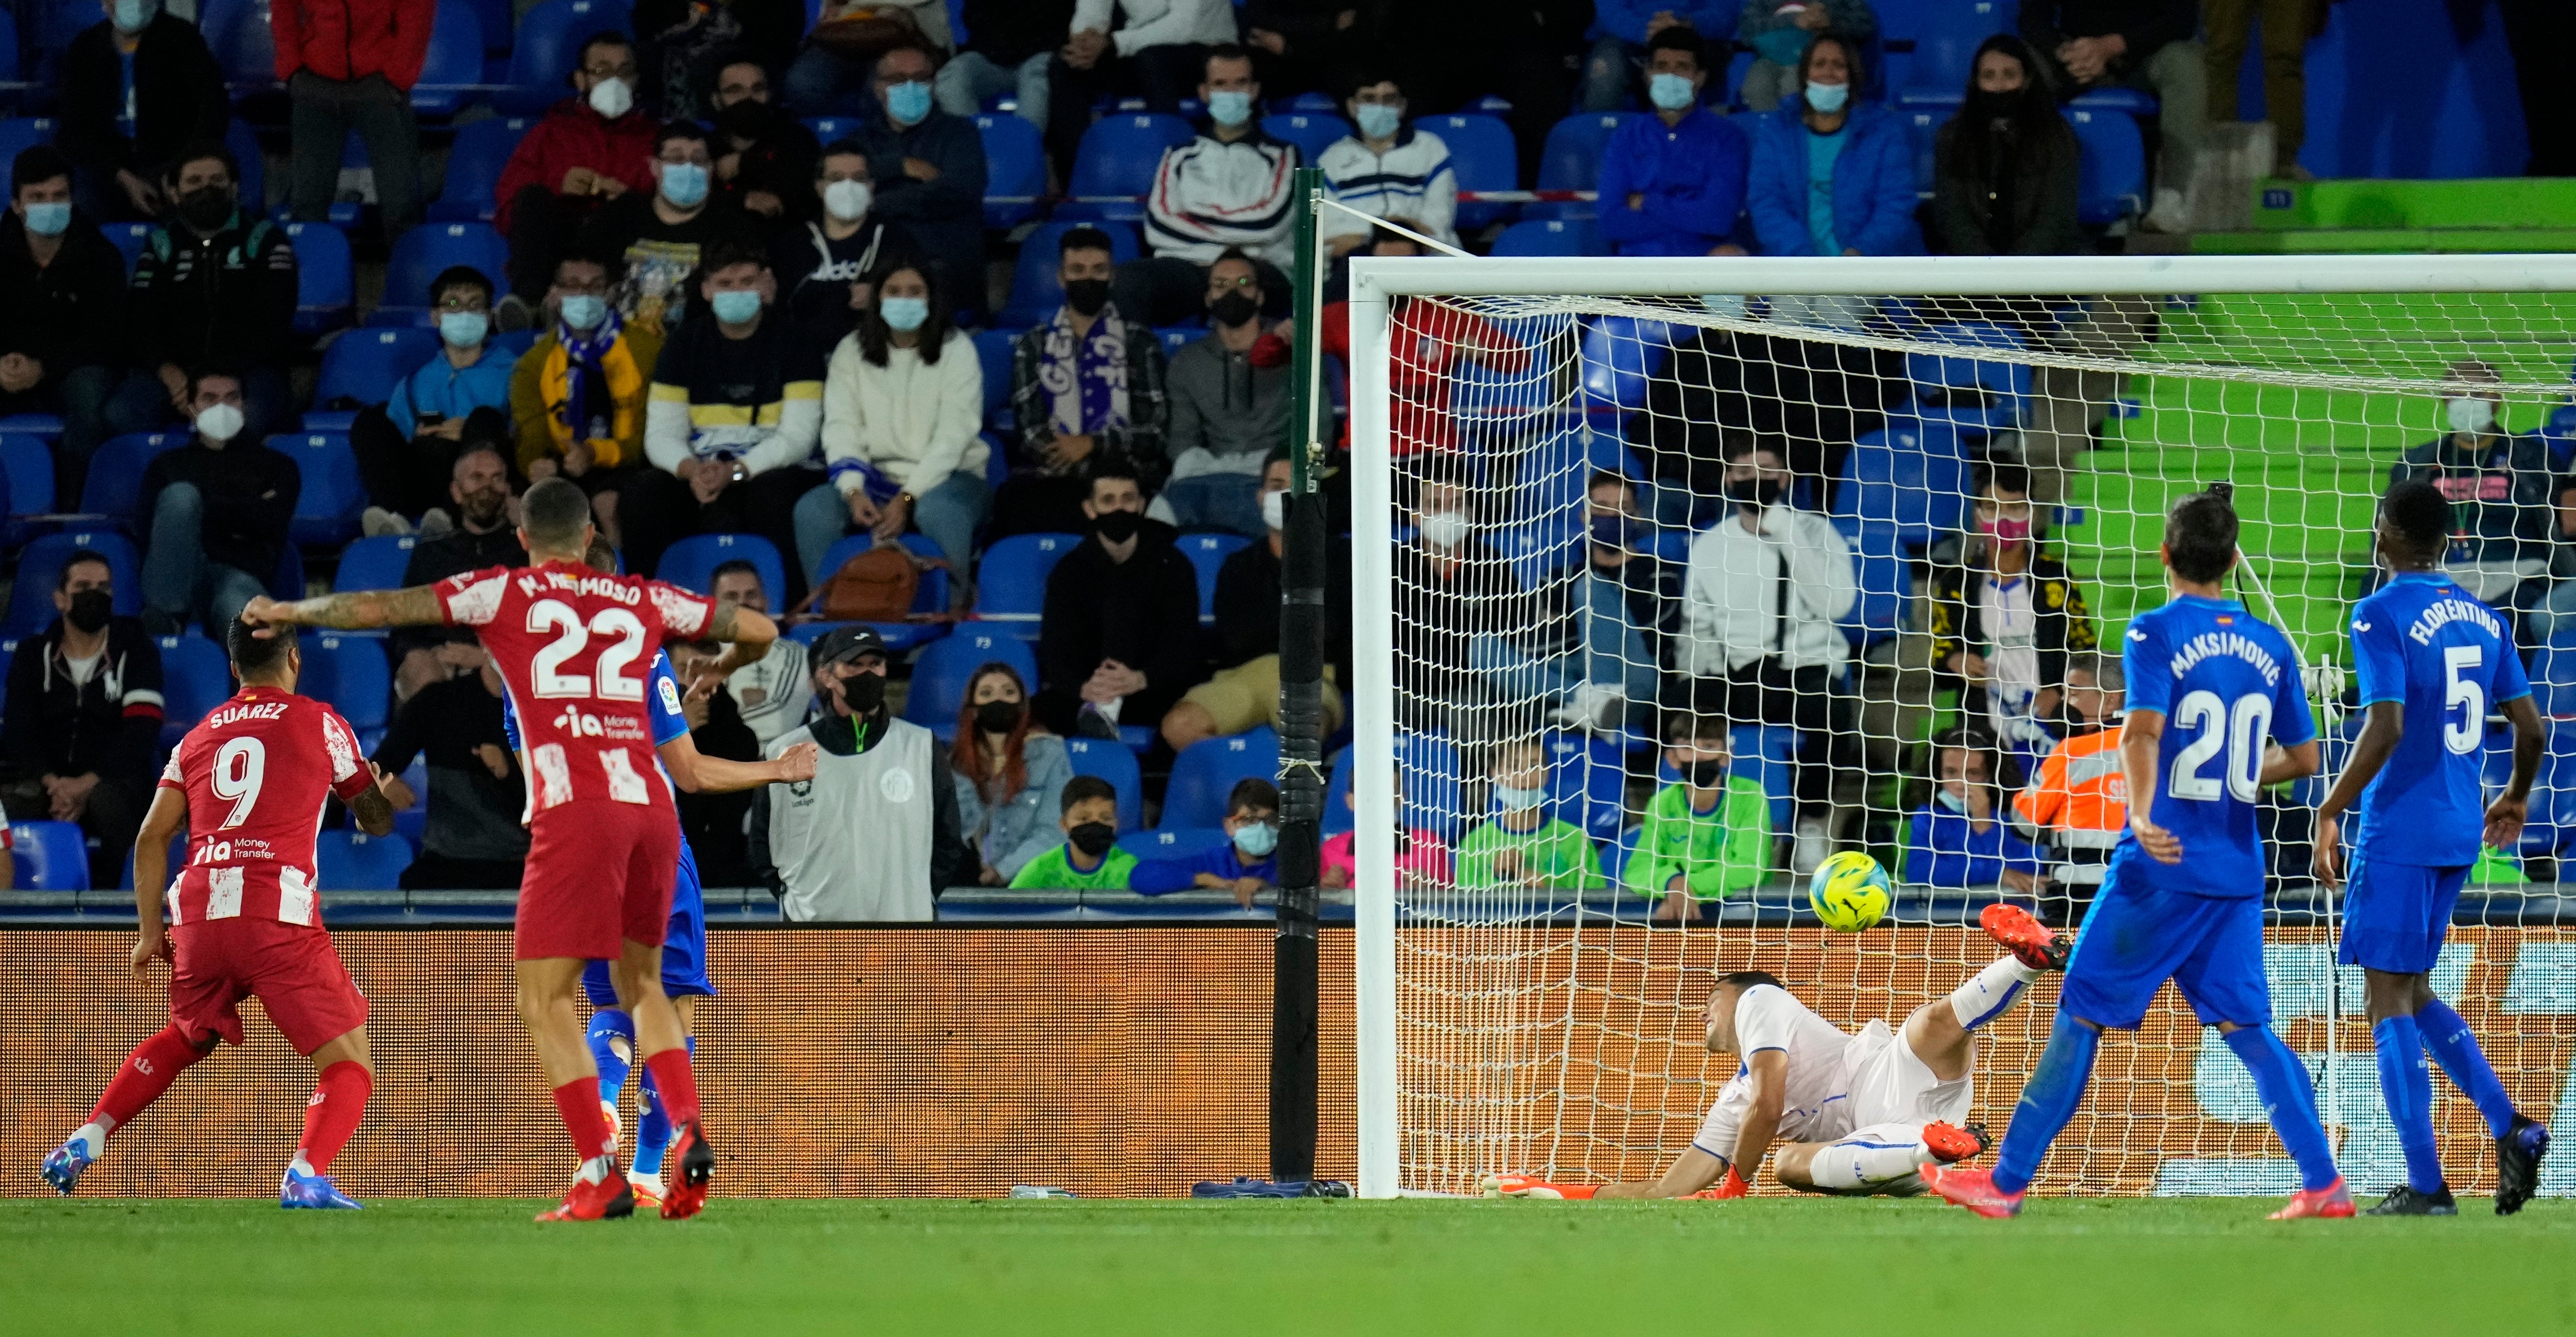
{"points": [[800, 788]]}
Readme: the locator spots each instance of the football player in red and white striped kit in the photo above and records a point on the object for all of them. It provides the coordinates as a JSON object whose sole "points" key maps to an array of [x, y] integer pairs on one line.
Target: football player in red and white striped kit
{"points": [[575, 648], [249, 784]]}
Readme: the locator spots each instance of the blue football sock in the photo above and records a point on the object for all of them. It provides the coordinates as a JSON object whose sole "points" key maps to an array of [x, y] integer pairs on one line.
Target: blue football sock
{"points": [[2408, 1087], [2048, 1100], [2447, 1038], [2289, 1101], [653, 1135], [612, 1047]]}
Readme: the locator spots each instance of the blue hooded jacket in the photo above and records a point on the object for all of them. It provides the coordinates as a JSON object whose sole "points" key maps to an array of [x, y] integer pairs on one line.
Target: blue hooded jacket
{"points": [[1874, 195]]}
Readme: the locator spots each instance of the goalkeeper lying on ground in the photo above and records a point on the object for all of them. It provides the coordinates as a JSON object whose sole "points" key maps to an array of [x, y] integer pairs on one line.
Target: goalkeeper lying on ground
{"points": [[1861, 1113]]}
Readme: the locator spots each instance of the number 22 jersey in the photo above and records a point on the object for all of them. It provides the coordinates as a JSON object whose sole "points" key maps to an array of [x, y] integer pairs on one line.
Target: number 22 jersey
{"points": [[2427, 644], [256, 772], [575, 649], [2226, 683]]}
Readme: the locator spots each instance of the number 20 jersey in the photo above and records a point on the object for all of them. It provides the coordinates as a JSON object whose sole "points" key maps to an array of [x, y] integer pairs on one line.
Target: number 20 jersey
{"points": [[2226, 683], [575, 648], [2427, 644], [256, 773]]}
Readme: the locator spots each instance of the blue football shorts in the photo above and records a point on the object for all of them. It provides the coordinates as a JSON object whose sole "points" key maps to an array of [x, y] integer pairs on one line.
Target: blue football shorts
{"points": [[2396, 915], [684, 944], [2136, 938]]}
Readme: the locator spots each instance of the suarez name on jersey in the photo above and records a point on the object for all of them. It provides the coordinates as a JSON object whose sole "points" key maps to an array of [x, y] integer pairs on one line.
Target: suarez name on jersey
{"points": [[2425, 643], [256, 773], [575, 649], [2226, 683]]}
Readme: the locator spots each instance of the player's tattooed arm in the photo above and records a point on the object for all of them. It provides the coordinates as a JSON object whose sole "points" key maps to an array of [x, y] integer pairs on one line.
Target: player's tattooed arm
{"points": [[375, 812], [353, 611], [161, 822], [747, 636]]}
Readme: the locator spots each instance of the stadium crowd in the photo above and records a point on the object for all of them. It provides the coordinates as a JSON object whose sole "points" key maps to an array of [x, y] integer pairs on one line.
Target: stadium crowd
{"points": [[737, 282]]}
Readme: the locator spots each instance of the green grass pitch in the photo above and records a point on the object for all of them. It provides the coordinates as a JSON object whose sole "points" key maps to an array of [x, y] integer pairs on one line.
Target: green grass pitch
{"points": [[1864, 1267]]}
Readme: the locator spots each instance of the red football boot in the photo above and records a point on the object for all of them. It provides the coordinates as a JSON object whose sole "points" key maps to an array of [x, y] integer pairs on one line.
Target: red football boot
{"points": [[2031, 942], [1949, 1143], [1974, 1190], [595, 1201], [2334, 1200], [686, 1192]]}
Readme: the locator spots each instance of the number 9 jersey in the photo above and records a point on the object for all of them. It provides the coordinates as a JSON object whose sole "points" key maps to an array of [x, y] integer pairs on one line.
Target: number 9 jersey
{"points": [[256, 772], [2428, 645], [575, 648], [2226, 683]]}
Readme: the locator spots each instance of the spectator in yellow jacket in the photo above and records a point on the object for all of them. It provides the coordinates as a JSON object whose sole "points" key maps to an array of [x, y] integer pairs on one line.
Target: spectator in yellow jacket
{"points": [[577, 394]]}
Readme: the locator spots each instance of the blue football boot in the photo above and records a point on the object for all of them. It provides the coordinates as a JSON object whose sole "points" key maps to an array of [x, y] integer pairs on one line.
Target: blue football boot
{"points": [[313, 1191], [63, 1168]]}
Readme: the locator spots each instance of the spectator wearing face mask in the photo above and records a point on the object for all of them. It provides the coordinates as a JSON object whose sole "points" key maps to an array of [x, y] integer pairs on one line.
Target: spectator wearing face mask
{"points": [[1523, 844], [2076, 806], [1229, 395], [660, 238], [1761, 642], [2006, 169], [83, 719], [1779, 31], [136, 89], [1244, 690], [62, 307], [219, 508], [591, 149], [483, 534], [1388, 167], [775, 692], [2500, 491], [1673, 183], [1621, 34], [874, 836], [1225, 190], [460, 398], [763, 156], [1118, 638], [929, 171], [1596, 652], [1449, 588], [823, 263], [1159, 55], [214, 286], [1086, 386], [833, 73], [1959, 837], [577, 395], [690, 50], [1010, 773], [349, 67], [2005, 614], [1088, 859], [1707, 835], [1832, 174], [1247, 864]]}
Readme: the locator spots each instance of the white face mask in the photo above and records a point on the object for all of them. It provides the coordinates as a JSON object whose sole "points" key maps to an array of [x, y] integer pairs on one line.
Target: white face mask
{"points": [[1443, 530], [1274, 509], [847, 200], [219, 422], [612, 98], [2469, 414]]}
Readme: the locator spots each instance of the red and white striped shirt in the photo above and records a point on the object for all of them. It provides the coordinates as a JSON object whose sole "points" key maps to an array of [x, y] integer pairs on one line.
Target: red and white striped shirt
{"points": [[257, 773]]}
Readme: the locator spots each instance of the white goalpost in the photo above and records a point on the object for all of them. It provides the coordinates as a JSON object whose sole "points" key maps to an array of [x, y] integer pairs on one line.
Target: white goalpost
{"points": [[1870, 530]]}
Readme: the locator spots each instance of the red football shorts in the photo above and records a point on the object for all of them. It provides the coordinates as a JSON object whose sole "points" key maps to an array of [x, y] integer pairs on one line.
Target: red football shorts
{"points": [[290, 968], [599, 873]]}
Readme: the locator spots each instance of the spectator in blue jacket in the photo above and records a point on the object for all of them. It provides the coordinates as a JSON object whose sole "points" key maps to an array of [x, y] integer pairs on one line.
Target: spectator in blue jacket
{"points": [[1245, 865], [930, 172], [456, 401], [1673, 183], [1621, 34], [1832, 175], [1961, 838]]}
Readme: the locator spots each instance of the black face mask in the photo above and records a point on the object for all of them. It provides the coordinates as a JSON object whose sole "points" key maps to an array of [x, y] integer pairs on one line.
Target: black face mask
{"points": [[90, 609], [206, 208], [1093, 838], [1985, 106], [998, 716], [1706, 774], [1233, 309], [747, 119], [1755, 492], [862, 693], [1116, 526], [1087, 296]]}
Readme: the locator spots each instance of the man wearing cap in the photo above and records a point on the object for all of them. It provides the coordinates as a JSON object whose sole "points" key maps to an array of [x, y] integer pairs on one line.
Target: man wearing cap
{"points": [[875, 834]]}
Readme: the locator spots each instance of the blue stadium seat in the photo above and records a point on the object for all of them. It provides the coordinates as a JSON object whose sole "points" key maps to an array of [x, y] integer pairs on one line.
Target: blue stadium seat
{"points": [[1484, 156], [1571, 160], [1115, 164], [51, 856], [356, 861], [1435, 786], [40, 565], [2127, 101], [196, 677], [1539, 548], [114, 487], [29, 464], [930, 596], [325, 277], [244, 142], [1165, 843], [238, 33], [363, 366], [1911, 475], [374, 563], [691, 562], [1114, 763], [1616, 854], [939, 676], [128, 238], [1586, 782], [351, 675], [1620, 353], [1885, 576], [1340, 811], [993, 352], [494, 19], [1209, 769], [1010, 588], [454, 59], [1922, 134], [428, 250], [1035, 290], [2553, 674], [1207, 553], [474, 164], [1311, 132], [1551, 236], [1976, 395], [1310, 101], [829, 128], [548, 45], [8, 56], [1014, 165], [1946, 37], [1174, 338], [17, 135], [2112, 173], [327, 506]]}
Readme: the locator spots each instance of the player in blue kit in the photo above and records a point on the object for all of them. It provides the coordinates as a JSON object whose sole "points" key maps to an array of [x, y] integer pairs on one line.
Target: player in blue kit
{"points": [[2209, 683], [684, 944], [2432, 660]]}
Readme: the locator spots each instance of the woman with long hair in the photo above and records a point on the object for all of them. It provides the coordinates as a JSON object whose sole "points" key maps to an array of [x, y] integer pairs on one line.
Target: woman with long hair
{"points": [[2005, 169], [1009, 772], [902, 404]]}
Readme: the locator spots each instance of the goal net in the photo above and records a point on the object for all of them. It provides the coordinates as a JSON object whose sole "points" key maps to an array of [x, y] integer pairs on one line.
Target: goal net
{"points": [[1672, 576]]}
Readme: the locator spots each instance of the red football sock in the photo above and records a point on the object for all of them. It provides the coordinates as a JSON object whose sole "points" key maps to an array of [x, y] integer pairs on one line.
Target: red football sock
{"points": [[676, 1083], [339, 1101], [578, 1102], [147, 1072]]}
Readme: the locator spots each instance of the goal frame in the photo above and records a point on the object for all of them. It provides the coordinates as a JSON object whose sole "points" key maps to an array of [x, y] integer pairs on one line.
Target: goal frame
{"points": [[1374, 281]]}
